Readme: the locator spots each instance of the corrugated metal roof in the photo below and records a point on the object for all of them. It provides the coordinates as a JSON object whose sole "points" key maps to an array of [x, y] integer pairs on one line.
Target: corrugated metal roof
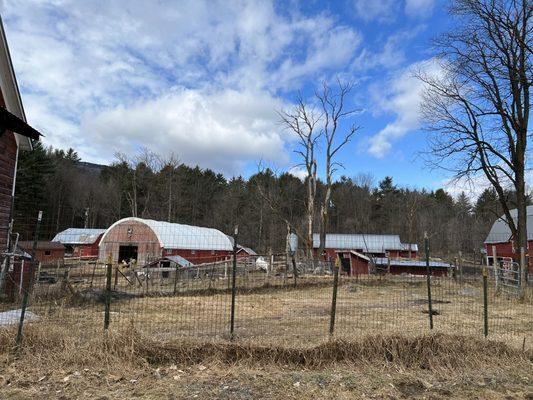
{"points": [[409, 246], [247, 250], [500, 231], [367, 243], [178, 236], [409, 263], [75, 236], [179, 260]]}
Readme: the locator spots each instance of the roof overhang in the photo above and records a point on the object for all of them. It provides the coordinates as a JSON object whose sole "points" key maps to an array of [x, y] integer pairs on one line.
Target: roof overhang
{"points": [[16, 125], [10, 91]]}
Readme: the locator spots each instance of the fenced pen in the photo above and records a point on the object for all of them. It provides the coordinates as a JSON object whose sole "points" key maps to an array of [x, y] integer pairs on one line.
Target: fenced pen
{"points": [[169, 283]]}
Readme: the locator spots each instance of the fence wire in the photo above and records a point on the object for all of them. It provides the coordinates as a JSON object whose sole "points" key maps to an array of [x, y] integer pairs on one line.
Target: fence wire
{"points": [[169, 282]]}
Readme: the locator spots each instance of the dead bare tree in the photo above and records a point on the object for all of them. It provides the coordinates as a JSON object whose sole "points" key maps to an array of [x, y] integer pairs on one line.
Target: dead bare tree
{"points": [[302, 120], [168, 165], [334, 112], [478, 102]]}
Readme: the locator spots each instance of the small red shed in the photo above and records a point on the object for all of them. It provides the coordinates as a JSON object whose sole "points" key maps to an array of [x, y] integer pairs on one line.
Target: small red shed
{"points": [[45, 252], [353, 262], [80, 242]]}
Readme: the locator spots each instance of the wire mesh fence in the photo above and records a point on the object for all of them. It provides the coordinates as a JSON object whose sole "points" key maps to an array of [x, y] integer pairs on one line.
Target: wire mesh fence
{"points": [[169, 281]]}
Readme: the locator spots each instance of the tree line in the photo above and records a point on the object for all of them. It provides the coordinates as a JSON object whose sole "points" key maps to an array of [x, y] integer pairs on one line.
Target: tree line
{"points": [[75, 194]]}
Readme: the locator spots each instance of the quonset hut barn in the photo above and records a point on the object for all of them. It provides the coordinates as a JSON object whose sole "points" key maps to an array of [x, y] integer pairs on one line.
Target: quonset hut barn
{"points": [[501, 239], [146, 240], [80, 242]]}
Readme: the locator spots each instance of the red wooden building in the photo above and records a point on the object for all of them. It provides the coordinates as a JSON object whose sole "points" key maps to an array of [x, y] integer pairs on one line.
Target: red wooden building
{"points": [[80, 242], [500, 239], [146, 240], [369, 245], [45, 252], [15, 135]]}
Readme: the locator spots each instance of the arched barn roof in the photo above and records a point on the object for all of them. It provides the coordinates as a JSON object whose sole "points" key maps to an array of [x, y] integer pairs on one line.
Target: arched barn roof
{"points": [[500, 231], [179, 236]]}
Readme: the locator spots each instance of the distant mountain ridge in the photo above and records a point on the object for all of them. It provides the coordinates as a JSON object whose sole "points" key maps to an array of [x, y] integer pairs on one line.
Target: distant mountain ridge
{"points": [[91, 168]]}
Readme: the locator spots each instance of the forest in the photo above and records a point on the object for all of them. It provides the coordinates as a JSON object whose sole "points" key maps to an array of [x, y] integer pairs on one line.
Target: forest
{"points": [[72, 193]]}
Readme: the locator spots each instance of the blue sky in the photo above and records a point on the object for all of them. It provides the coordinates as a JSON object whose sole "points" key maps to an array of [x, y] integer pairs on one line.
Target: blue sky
{"points": [[204, 79]]}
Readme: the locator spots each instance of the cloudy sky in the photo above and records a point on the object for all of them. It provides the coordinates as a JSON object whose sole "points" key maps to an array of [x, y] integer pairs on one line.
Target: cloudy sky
{"points": [[204, 79]]}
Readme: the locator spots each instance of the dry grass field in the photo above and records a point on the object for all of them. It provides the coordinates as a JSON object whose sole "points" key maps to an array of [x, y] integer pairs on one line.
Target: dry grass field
{"points": [[161, 346], [278, 314]]}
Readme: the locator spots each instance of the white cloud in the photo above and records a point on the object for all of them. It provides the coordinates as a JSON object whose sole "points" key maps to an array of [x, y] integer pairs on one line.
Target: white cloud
{"points": [[219, 130], [419, 8], [298, 172], [106, 61], [400, 96], [376, 10]]}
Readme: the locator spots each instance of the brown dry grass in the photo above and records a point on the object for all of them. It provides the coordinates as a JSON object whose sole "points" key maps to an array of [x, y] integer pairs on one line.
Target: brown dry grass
{"points": [[58, 363], [300, 317]]}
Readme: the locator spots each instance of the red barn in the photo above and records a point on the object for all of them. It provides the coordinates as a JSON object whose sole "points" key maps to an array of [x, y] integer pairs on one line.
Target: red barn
{"points": [[367, 244], [146, 240], [501, 239], [45, 252], [80, 242], [15, 135]]}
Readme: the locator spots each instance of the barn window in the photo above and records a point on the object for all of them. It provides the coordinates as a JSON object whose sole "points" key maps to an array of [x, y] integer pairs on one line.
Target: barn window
{"points": [[193, 251], [47, 252]]}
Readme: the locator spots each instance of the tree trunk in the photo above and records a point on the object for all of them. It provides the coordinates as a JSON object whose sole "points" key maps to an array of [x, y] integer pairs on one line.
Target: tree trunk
{"points": [[521, 205]]}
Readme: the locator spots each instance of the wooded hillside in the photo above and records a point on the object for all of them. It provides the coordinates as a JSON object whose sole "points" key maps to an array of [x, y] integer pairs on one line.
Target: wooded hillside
{"points": [[72, 193]]}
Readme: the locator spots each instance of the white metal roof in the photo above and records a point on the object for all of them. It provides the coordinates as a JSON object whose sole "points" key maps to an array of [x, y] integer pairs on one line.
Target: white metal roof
{"points": [[411, 263], [178, 236], [367, 243], [78, 236], [500, 231], [409, 246]]}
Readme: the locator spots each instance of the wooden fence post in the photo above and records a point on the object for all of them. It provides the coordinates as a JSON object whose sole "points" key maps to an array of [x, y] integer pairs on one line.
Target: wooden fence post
{"points": [[334, 297]]}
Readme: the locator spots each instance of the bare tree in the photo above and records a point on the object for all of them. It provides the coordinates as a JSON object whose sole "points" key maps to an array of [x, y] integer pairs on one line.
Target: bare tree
{"points": [[168, 165], [303, 120], [334, 111], [478, 103]]}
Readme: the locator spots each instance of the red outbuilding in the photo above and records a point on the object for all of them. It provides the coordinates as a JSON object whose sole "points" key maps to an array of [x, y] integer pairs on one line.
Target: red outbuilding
{"points": [[80, 242], [15, 135], [146, 240], [369, 245], [500, 240], [45, 252]]}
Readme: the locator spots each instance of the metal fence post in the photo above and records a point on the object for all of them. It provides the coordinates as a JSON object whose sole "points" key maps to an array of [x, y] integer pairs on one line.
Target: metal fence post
{"points": [[109, 274], [485, 303], [26, 296], [334, 297], [428, 278], [233, 285]]}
